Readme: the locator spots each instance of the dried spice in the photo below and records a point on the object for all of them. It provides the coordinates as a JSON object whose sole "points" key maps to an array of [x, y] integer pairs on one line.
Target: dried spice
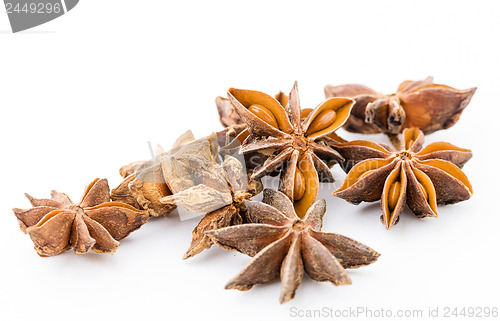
{"points": [[55, 225], [204, 183], [229, 117], [284, 139], [420, 177], [143, 186], [145, 182], [284, 245], [420, 104]]}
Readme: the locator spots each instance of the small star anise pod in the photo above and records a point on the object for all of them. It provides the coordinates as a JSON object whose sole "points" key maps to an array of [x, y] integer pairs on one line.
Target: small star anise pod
{"points": [[55, 225], [284, 245], [420, 104], [280, 134], [420, 177]]}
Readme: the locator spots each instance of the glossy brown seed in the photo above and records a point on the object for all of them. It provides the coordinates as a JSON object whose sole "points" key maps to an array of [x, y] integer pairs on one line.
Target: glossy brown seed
{"points": [[264, 114], [394, 192], [322, 121], [299, 187]]}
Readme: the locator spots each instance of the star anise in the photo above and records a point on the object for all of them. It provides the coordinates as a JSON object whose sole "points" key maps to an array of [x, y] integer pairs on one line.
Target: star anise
{"points": [[144, 182], [55, 225], [204, 179], [143, 186], [230, 212], [421, 104], [420, 177], [280, 134], [284, 245]]}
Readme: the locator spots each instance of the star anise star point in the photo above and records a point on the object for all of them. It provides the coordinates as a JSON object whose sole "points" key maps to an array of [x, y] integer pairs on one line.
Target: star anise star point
{"points": [[95, 223], [284, 245]]}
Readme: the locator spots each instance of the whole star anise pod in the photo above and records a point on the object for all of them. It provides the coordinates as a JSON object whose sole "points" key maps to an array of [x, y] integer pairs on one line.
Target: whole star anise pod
{"points": [[55, 225], [420, 177], [284, 245], [285, 139], [420, 104]]}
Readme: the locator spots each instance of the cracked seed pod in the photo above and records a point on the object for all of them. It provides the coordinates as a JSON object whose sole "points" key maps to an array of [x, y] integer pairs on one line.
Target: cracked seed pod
{"points": [[284, 245], [56, 225], [145, 182], [420, 104], [204, 183], [280, 134], [143, 186], [421, 177]]}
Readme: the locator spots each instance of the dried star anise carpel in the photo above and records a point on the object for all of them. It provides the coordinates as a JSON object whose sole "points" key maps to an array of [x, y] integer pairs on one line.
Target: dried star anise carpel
{"points": [[285, 245], [422, 104], [288, 139], [55, 225], [421, 177]]}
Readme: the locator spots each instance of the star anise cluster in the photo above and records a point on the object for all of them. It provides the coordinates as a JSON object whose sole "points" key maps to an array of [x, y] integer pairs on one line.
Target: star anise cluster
{"points": [[218, 176]]}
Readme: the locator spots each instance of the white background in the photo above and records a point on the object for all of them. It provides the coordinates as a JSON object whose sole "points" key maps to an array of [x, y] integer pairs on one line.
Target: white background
{"points": [[82, 95]]}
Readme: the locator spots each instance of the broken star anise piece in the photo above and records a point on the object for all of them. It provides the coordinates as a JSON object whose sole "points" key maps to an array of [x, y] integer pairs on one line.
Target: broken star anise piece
{"points": [[422, 104], [55, 225], [204, 179], [287, 139], [420, 177], [142, 187], [284, 245]]}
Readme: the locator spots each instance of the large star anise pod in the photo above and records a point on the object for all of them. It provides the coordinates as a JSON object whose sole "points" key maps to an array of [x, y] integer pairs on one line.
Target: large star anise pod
{"points": [[419, 177], [284, 245], [421, 104], [285, 139], [55, 225]]}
